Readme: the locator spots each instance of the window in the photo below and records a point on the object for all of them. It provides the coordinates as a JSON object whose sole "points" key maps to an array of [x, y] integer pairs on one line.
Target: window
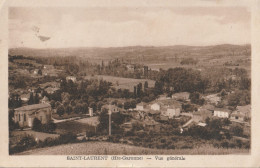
{"points": [[19, 118], [24, 117], [236, 117]]}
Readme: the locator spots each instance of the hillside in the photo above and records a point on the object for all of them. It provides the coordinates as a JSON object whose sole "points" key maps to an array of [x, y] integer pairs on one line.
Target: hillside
{"points": [[107, 148], [135, 51]]}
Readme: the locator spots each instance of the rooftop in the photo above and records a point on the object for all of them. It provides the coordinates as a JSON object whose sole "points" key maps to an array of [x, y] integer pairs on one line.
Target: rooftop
{"points": [[32, 107]]}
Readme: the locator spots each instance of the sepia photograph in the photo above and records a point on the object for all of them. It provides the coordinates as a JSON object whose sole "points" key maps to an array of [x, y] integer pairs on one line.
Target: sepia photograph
{"points": [[129, 81]]}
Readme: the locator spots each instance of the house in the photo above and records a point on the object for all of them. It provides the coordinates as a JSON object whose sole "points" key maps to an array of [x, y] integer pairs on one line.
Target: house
{"points": [[25, 97], [155, 106], [207, 107], [25, 115], [72, 78], [241, 113], [164, 118], [202, 115], [130, 67], [50, 84], [213, 98], [181, 96], [140, 106], [172, 111], [51, 90], [111, 108], [222, 113]]}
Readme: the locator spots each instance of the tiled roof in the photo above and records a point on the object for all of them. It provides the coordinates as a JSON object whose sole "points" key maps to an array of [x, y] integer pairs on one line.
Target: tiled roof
{"points": [[32, 107]]}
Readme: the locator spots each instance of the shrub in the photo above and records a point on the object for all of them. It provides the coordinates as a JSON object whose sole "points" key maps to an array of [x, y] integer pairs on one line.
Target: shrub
{"points": [[237, 130], [37, 125]]}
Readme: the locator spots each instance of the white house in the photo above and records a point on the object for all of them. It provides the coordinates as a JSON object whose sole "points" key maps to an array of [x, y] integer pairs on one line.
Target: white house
{"points": [[72, 78], [140, 107], [221, 113], [155, 106]]}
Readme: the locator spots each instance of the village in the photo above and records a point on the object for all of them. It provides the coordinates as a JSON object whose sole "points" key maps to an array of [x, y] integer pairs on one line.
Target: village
{"points": [[103, 108]]}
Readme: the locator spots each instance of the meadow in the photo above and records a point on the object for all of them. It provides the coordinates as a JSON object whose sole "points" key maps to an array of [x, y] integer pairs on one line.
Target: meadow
{"points": [[108, 148], [122, 83]]}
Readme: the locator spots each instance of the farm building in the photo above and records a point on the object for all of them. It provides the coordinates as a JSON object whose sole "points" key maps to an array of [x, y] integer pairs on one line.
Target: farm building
{"points": [[181, 96], [25, 115], [222, 113]]}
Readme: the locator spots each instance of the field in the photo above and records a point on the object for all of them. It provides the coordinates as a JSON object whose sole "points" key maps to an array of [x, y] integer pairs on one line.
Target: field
{"points": [[123, 83], [167, 55], [73, 127], [107, 148]]}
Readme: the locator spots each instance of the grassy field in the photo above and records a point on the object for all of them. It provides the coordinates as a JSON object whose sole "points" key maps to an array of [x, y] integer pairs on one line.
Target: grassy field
{"points": [[75, 127], [107, 148], [123, 83]]}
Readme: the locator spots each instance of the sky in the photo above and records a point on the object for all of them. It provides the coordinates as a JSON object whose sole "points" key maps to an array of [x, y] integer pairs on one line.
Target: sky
{"points": [[116, 27]]}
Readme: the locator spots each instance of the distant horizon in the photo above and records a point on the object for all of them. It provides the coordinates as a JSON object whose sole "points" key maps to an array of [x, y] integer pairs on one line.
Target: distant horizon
{"points": [[177, 45]]}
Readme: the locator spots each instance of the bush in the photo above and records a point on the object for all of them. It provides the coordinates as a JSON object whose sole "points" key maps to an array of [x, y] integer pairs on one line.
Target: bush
{"points": [[25, 143], [237, 130], [49, 127], [37, 125]]}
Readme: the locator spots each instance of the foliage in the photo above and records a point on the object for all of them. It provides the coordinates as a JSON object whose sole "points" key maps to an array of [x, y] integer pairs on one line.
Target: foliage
{"points": [[37, 125], [60, 110]]}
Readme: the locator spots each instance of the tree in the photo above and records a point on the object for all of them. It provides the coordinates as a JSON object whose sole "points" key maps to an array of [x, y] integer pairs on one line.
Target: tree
{"points": [[36, 99], [37, 125], [145, 85], [52, 104], [60, 110], [68, 109], [195, 98], [40, 72], [237, 130], [31, 99]]}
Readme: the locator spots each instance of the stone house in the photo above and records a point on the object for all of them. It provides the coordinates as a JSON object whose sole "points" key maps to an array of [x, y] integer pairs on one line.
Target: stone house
{"points": [[25, 115]]}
